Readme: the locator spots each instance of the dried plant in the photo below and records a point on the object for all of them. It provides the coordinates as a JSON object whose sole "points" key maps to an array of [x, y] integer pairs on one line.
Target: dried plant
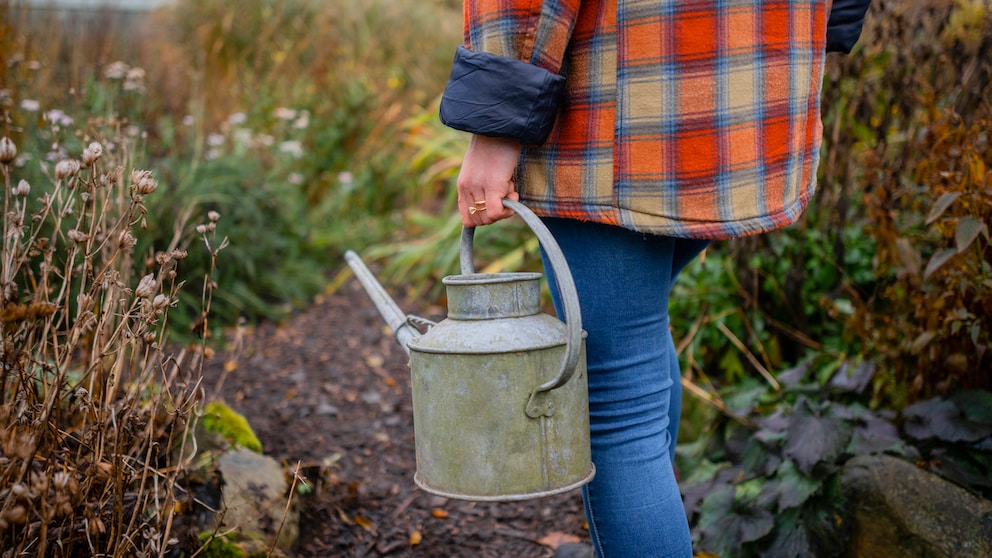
{"points": [[95, 412]]}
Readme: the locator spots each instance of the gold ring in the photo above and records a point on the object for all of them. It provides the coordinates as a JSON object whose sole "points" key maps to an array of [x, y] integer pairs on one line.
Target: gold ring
{"points": [[478, 203], [472, 210]]}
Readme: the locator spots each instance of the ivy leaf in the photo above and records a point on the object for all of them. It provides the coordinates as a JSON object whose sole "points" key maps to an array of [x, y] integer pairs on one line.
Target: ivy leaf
{"points": [[967, 231], [937, 260], [813, 439], [943, 202]]}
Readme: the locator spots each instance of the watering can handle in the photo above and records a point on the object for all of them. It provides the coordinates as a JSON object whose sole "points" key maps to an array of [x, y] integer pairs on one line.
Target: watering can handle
{"points": [[566, 286]]}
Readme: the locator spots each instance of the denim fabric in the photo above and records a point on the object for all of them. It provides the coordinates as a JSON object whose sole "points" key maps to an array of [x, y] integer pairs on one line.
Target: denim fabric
{"points": [[623, 279]]}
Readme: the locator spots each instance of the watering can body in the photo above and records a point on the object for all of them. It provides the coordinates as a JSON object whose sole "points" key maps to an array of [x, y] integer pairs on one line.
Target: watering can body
{"points": [[500, 393]]}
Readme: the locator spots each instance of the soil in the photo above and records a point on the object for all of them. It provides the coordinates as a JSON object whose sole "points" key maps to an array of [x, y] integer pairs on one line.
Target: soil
{"points": [[328, 391]]}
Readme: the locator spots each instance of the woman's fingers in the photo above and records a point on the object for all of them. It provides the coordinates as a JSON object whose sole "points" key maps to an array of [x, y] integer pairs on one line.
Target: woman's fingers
{"points": [[486, 177]]}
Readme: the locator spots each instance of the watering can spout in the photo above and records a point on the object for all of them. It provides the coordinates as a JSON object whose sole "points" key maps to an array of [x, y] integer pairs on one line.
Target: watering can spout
{"points": [[395, 318]]}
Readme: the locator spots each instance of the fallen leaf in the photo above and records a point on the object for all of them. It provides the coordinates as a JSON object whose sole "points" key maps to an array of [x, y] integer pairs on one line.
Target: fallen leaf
{"points": [[364, 523], [439, 513], [230, 365], [555, 539], [415, 538], [375, 361]]}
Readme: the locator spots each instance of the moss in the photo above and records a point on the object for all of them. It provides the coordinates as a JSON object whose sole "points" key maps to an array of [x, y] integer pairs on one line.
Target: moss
{"points": [[225, 421], [219, 547]]}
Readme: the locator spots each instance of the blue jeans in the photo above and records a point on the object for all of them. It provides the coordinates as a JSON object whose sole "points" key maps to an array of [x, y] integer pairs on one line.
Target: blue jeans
{"points": [[624, 278]]}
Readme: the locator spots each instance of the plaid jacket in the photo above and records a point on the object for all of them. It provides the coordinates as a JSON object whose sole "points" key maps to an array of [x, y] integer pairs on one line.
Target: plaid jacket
{"points": [[688, 118]]}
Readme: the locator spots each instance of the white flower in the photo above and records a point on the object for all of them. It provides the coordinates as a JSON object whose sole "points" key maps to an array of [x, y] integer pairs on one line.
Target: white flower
{"points": [[59, 117], [117, 70], [213, 216], [188, 120], [265, 140], [303, 121], [292, 147], [215, 140], [30, 105], [295, 178], [135, 80], [284, 113], [237, 118], [242, 136]]}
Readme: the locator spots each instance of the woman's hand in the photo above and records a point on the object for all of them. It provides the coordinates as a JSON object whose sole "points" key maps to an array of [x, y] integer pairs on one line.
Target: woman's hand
{"points": [[487, 176]]}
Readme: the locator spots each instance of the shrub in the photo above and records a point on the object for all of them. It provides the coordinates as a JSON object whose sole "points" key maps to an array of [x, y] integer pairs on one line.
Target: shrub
{"points": [[764, 480]]}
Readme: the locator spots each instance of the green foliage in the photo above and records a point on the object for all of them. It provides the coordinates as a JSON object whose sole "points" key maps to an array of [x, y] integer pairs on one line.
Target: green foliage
{"points": [[763, 481], [289, 119]]}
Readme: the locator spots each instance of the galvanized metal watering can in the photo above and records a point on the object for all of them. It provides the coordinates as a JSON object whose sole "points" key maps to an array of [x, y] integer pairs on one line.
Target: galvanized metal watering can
{"points": [[500, 394]]}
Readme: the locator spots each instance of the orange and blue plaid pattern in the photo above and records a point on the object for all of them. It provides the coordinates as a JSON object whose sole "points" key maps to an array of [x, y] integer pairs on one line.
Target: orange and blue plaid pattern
{"points": [[688, 118]]}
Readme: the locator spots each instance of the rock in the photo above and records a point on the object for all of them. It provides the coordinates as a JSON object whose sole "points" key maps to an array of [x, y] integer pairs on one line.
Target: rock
{"points": [[902, 511], [221, 427], [255, 492]]}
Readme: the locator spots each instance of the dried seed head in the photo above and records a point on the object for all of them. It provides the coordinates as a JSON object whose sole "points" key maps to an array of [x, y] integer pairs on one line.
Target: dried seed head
{"points": [[20, 491], [127, 240], [8, 151], [16, 515], [92, 153], [213, 216], [66, 168], [143, 181], [179, 254], [201, 229], [95, 526], [78, 236], [160, 301], [85, 301], [146, 287], [22, 188], [60, 480]]}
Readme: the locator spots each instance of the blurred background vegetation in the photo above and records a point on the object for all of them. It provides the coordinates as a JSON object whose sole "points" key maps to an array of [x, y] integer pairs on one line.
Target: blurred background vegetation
{"points": [[311, 127]]}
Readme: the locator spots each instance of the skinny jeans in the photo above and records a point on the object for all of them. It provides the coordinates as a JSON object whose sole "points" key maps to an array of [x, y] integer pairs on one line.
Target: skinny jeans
{"points": [[624, 278]]}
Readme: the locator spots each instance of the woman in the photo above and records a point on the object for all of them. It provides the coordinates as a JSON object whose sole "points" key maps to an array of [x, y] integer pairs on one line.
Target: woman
{"points": [[638, 130]]}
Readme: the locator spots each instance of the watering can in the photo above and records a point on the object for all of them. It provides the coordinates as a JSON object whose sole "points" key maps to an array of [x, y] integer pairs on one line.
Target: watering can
{"points": [[500, 393]]}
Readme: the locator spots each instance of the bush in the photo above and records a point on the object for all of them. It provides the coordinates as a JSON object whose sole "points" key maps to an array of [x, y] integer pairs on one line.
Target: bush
{"points": [[94, 410]]}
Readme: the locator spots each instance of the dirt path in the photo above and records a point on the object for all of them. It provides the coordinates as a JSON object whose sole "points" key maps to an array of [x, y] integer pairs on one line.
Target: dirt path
{"points": [[330, 389]]}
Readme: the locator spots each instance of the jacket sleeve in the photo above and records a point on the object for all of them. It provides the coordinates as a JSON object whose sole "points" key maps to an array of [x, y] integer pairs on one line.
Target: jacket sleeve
{"points": [[847, 17], [505, 80]]}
